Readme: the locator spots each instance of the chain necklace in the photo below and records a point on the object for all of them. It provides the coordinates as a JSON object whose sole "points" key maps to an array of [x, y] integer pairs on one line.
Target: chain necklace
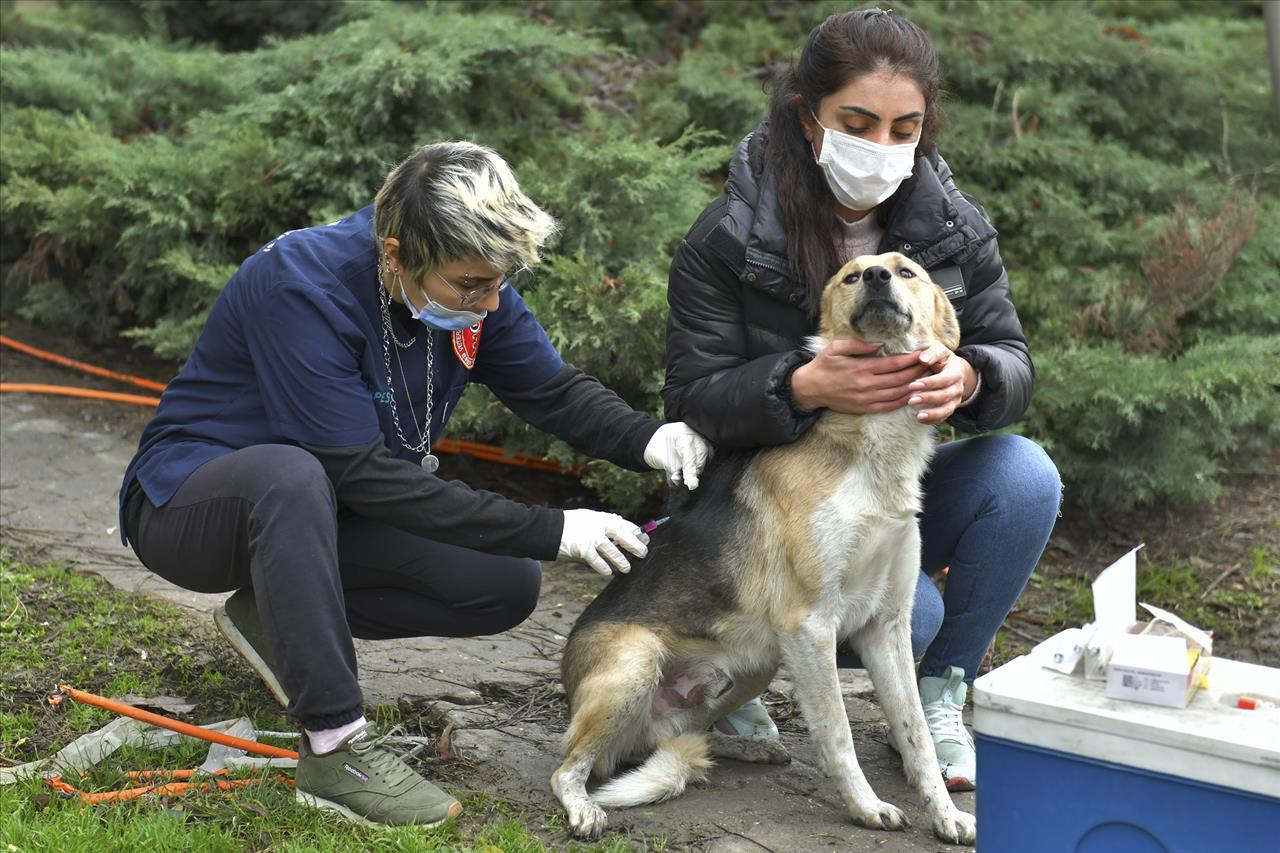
{"points": [[387, 323], [430, 462]]}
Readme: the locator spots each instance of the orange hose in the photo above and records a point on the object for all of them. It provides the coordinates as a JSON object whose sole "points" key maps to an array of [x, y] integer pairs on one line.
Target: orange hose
{"points": [[66, 391], [167, 789], [175, 775], [489, 453], [80, 365], [174, 725]]}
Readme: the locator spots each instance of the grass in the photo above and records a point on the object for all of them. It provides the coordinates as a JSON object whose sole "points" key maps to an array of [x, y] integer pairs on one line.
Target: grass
{"points": [[59, 626], [266, 819]]}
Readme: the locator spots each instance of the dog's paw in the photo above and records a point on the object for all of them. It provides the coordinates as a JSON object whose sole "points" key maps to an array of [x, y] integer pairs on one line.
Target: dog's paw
{"points": [[881, 815], [955, 827], [587, 820]]}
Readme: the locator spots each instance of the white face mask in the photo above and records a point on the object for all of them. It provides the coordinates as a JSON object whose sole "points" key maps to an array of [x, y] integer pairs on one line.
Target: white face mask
{"points": [[862, 174]]}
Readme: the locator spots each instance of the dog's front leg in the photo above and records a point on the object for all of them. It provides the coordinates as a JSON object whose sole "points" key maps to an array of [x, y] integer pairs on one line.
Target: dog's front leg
{"points": [[885, 646], [809, 655]]}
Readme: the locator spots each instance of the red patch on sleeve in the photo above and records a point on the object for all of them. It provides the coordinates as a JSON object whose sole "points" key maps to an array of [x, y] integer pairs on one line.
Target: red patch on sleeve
{"points": [[466, 343]]}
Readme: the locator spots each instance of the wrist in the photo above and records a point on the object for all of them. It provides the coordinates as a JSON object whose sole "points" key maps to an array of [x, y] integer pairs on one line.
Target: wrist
{"points": [[653, 450], [803, 393], [971, 385]]}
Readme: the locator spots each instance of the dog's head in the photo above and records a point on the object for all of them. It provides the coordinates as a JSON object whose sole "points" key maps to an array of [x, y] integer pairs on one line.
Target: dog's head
{"points": [[887, 298]]}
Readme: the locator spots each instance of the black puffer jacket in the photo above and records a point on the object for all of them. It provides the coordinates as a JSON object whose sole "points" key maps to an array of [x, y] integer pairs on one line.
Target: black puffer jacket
{"points": [[737, 319]]}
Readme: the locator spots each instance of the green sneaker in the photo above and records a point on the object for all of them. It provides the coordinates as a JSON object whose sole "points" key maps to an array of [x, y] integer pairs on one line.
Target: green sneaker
{"points": [[751, 719], [237, 620], [367, 782], [943, 700]]}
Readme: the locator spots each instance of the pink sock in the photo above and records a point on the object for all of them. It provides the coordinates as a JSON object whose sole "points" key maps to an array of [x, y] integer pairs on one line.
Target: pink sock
{"points": [[327, 740]]}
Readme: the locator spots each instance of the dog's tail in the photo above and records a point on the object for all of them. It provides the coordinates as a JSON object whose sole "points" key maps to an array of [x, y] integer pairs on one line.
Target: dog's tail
{"points": [[673, 765]]}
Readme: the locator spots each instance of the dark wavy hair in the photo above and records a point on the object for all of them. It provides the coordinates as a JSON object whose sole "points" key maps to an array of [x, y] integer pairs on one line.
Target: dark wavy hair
{"points": [[838, 51]]}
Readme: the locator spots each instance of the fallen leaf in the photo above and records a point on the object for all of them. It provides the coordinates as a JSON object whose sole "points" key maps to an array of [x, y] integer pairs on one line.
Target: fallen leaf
{"points": [[255, 808], [444, 746]]}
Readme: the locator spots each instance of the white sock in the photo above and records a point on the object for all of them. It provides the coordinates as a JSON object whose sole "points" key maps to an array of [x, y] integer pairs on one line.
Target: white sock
{"points": [[327, 740]]}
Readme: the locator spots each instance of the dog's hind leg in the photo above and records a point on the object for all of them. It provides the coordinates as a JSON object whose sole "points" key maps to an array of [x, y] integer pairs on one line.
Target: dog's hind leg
{"points": [[569, 783], [611, 700], [809, 654], [885, 645]]}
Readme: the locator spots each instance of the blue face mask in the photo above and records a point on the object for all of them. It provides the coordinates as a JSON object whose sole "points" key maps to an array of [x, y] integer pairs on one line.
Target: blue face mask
{"points": [[436, 316]]}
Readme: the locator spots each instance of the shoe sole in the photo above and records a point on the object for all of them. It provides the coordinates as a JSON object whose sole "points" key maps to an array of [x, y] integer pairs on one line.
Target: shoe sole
{"points": [[245, 649], [455, 809]]}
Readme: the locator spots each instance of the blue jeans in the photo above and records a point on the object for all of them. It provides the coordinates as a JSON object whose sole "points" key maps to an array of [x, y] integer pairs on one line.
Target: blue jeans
{"points": [[989, 506]]}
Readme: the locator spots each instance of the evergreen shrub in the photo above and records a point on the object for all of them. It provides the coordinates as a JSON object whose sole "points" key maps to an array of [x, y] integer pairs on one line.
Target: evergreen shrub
{"points": [[1126, 151]]}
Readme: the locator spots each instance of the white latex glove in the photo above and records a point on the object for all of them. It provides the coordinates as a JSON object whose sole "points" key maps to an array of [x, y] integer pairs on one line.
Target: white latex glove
{"points": [[678, 450], [589, 537]]}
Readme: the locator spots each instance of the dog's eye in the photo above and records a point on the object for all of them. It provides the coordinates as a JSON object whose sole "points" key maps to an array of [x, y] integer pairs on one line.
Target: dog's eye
{"points": [[906, 273], [852, 278]]}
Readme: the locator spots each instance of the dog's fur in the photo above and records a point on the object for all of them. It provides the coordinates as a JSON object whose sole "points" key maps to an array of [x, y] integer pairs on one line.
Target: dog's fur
{"points": [[778, 556]]}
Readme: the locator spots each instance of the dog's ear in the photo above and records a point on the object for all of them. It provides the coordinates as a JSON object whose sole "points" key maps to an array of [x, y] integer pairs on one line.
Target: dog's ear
{"points": [[946, 327]]}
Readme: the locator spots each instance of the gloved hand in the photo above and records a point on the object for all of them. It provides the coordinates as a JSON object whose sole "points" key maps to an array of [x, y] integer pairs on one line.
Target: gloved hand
{"points": [[678, 450], [589, 537]]}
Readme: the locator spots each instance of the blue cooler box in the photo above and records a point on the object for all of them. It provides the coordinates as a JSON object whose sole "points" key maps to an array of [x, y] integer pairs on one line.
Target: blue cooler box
{"points": [[1064, 769]]}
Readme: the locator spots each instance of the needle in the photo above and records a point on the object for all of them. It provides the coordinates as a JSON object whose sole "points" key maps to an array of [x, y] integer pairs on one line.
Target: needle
{"points": [[650, 526]]}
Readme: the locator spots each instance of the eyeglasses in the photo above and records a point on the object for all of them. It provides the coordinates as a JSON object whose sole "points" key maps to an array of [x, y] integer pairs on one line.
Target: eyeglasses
{"points": [[470, 296]]}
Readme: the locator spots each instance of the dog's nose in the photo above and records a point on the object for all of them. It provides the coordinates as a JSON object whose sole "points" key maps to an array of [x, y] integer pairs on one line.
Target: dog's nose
{"points": [[877, 278]]}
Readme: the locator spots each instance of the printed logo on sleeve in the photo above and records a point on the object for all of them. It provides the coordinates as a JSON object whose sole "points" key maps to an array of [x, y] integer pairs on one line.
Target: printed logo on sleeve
{"points": [[466, 343]]}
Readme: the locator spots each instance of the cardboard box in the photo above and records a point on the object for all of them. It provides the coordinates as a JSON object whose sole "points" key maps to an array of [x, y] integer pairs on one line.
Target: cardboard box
{"points": [[1162, 661], [1159, 670]]}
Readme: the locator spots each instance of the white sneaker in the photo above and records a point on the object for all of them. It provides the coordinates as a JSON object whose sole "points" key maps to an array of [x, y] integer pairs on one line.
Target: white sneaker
{"points": [[750, 719], [943, 700]]}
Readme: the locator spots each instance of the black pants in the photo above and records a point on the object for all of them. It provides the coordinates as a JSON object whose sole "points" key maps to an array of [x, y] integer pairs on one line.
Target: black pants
{"points": [[266, 516]]}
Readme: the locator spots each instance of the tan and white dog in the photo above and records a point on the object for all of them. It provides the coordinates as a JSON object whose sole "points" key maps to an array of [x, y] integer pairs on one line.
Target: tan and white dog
{"points": [[780, 555]]}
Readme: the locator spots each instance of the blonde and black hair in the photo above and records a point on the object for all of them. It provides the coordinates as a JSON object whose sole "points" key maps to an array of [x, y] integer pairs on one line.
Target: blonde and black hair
{"points": [[449, 201]]}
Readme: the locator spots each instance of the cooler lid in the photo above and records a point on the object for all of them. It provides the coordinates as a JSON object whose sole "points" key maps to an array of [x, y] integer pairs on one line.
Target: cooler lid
{"points": [[1210, 740]]}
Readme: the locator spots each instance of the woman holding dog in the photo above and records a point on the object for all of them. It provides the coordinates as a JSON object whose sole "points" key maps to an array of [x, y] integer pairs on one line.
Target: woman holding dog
{"points": [[291, 460], [846, 164]]}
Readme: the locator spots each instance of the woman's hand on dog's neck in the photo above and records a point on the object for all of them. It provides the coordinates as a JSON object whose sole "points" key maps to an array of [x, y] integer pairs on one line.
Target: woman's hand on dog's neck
{"points": [[847, 376], [950, 381]]}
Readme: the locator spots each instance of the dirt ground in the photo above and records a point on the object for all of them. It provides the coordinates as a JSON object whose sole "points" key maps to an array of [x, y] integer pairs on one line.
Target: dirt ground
{"points": [[62, 459]]}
